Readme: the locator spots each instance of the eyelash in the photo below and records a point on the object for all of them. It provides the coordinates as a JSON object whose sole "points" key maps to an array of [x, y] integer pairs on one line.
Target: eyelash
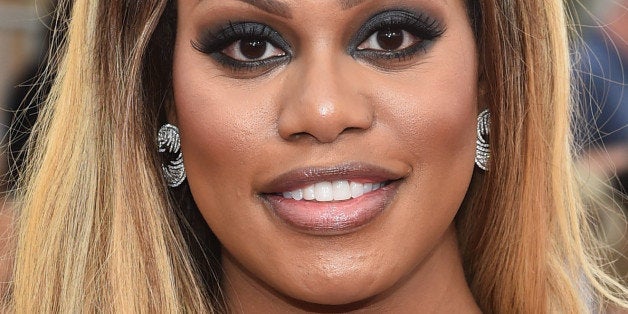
{"points": [[426, 28], [213, 43], [421, 25]]}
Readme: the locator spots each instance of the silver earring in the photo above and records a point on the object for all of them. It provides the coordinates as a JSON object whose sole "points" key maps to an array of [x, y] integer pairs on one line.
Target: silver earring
{"points": [[482, 151], [169, 141]]}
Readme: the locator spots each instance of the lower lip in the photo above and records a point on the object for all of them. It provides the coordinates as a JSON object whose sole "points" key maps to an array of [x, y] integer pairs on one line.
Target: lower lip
{"points": [[332, 218]]}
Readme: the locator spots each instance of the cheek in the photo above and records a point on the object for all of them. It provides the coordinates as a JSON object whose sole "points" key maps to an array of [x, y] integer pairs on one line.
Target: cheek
{"points": [[223, 128], [431, 113], [222, 121], [216, 119], [434, 125]]}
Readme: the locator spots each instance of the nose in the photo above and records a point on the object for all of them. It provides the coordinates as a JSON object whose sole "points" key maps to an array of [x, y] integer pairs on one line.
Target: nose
{"points": [[323, 100]]}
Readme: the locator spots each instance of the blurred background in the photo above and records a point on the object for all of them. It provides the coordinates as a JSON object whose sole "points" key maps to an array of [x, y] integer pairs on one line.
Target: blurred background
{"points": [[22, 32], [603, 155]]}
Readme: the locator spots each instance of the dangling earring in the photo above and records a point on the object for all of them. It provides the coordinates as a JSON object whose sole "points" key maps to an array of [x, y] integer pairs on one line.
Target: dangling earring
{"points": [[169, 142], [482, 150]]}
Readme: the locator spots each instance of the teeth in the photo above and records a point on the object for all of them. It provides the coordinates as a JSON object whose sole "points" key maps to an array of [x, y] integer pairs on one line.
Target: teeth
{"points": [[357, 189], [297, 194], [324, 192], [308, 193], [340, 190]]}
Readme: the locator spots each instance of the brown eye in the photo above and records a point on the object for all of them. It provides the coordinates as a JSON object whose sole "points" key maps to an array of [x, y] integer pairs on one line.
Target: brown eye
{"points": [[252, 49], [389, 39]]}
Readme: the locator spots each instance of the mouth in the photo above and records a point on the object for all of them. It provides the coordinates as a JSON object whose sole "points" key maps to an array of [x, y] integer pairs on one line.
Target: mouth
{"points": [[331, 200], [340, 190]]}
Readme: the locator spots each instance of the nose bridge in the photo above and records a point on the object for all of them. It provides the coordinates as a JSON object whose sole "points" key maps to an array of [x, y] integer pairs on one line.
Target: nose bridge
{"points": [[323, 100]]}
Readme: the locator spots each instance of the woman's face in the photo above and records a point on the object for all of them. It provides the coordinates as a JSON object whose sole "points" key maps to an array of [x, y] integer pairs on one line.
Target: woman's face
{"points": [[328, 144]]}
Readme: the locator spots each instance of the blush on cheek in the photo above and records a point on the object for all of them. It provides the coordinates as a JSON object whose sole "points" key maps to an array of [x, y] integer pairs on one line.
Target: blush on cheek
{"points": [[223, 117], [432, 126], [213, 126]]}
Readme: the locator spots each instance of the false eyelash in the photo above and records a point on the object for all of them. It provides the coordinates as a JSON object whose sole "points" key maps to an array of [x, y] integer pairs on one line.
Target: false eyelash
{"points": [[213, 42], [419, 24]]}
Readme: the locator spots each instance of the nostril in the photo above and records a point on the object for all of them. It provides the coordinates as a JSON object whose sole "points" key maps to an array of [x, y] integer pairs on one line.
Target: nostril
{"points": [[322, 138], [299, 124], [353, 130], [299, 136]]}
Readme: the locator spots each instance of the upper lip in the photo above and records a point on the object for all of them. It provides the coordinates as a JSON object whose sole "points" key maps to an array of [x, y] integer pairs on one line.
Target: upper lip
{"points": [[301, 177]]}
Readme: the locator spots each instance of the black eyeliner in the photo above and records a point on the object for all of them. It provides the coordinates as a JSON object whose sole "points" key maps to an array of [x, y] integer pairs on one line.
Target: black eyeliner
{"points": [[236, 65], [419, 24], [212, 42]]}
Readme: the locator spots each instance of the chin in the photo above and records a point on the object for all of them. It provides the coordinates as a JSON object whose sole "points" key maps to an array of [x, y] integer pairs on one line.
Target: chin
{"points": [[339, 295], [351, 289]]}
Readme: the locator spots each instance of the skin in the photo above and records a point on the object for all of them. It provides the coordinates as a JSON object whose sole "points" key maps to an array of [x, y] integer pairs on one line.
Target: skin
{"points": [[417, 117], [617, 24]]}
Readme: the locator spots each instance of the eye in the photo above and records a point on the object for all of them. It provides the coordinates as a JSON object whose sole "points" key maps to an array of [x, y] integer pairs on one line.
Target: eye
{"points": [[389, 39], [252, 49], [250, 46]]}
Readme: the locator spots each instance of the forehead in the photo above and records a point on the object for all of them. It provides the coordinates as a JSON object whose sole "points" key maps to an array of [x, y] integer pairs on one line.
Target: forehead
{"points": [[312, 14], [286, 8]]}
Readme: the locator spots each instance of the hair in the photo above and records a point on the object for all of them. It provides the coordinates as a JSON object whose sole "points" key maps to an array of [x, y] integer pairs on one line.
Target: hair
{"points": [[99, 227]]}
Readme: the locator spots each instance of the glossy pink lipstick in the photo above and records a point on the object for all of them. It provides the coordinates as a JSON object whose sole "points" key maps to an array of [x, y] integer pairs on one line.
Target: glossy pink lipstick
{"points": [[331, 200]]}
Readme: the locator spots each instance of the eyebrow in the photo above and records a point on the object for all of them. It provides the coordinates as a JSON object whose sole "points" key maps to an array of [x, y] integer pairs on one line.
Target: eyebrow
{"points": [[348, 4], [271, 6], [283, 10]]}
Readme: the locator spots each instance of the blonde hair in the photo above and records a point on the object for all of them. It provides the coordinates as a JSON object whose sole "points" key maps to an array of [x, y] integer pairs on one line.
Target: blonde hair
{"points": [[524, 230], [94, 223], [99, 232]]}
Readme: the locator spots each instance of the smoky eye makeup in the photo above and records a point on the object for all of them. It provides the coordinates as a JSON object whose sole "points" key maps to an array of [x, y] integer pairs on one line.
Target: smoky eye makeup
{"points": [[244, 46], [395, 35], [386, 39]]}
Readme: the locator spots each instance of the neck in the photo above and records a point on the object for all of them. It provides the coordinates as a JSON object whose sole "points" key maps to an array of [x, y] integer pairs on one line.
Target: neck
{"points": [[436, 285]]}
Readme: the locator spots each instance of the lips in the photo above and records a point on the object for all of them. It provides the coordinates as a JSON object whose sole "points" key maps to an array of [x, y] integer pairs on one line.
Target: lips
{"points": [[331, 200]]}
